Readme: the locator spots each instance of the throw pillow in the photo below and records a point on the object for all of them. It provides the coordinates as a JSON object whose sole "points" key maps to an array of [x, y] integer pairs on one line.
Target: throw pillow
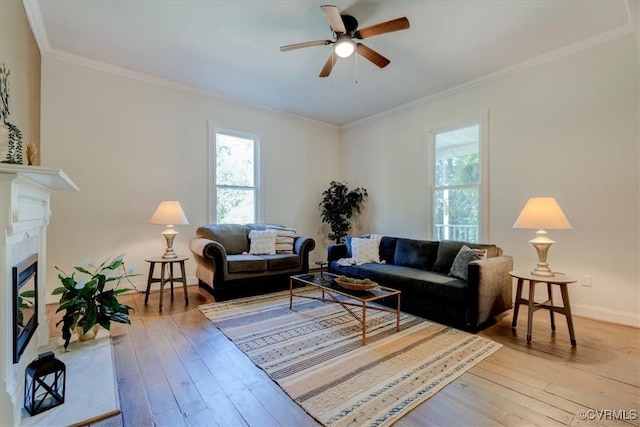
{"points": [[365, 250], [462, 260], [347, 241], [284, 239], [415, 253], [448, 249], [262, 242], [387, 249]]}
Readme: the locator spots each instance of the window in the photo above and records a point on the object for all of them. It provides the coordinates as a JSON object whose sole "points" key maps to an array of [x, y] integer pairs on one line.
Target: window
{"points": [[458, 184], [235, 177]]}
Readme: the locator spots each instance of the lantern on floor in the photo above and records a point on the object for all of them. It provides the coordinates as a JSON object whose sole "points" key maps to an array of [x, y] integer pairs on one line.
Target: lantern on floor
{"points": [[44, 383]]}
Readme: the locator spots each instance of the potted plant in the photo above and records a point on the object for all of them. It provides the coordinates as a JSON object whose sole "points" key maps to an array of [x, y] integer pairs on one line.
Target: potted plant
{"points": [[87, 303], [338, 206]]}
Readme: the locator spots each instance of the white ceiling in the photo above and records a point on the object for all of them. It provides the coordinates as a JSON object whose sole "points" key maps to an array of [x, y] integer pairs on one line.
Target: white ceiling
{"points": [[231, 48]]}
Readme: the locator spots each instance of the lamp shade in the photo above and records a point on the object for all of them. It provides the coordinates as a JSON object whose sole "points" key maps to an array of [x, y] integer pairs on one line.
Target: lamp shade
{"points": [[169, 212], [542, 212]]}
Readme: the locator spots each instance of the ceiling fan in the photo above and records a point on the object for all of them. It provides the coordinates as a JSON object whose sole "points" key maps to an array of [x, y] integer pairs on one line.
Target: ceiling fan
{"points": [[345, 30]]}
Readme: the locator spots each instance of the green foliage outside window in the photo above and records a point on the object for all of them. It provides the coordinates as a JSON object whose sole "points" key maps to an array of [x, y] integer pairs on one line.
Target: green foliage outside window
{"points": [[456, 173], [235, 187]]}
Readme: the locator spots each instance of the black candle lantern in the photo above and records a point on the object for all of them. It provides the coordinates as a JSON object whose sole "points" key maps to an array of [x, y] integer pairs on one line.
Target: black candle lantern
{"points": [[44, 383]]}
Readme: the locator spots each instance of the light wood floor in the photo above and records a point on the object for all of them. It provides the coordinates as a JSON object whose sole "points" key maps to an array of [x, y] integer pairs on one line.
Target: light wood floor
{"points": [[176, 369]]}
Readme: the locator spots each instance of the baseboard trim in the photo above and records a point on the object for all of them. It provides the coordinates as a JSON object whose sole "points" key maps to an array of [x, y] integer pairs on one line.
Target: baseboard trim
{"points": [[606, 314]]}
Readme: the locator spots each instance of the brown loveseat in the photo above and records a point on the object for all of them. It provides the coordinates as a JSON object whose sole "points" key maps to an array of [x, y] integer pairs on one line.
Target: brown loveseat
{"points": [[223, 261]]}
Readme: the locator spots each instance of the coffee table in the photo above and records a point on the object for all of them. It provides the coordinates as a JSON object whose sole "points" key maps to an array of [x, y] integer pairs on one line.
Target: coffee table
{"points": [[326, 283]]}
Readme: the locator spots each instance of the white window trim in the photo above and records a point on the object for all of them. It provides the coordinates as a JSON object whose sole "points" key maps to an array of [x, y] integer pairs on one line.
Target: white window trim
{"points": [[484, 234], [212, 185]]}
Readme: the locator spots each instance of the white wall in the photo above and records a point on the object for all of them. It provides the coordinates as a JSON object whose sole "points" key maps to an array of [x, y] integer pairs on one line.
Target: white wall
{"points": [[129, 144], [20, 54], [568, 128]]}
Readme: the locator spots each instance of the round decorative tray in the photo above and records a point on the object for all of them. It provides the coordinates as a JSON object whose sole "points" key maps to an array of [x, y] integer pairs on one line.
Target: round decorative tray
{"points": [[356, 286]]}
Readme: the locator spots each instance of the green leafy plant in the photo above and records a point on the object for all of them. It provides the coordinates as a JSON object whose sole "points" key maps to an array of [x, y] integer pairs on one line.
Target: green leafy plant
{"points": [[87, 302], [338, 206]]}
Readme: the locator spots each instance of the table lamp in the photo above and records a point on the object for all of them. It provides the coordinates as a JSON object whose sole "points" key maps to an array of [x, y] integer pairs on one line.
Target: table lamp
{"points": [[540, 213], [169, 213]]}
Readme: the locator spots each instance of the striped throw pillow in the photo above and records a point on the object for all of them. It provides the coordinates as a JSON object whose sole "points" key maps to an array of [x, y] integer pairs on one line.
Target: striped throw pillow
{"points": [[284, 239]]}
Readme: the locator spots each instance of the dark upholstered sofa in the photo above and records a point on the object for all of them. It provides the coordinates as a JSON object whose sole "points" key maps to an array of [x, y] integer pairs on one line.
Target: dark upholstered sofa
{"points": [[420, 269], [223, 261]]}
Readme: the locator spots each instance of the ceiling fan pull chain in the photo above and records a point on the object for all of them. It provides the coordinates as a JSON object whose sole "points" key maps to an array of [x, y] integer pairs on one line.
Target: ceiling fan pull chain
{"points": [[356, 69]]}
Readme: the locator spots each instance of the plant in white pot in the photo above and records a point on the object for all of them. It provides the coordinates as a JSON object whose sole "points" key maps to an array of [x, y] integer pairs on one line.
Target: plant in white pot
{"points": [[92, 301]]}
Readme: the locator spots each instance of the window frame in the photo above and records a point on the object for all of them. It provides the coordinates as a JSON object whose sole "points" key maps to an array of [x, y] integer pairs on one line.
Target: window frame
{"points": [[214, 131], [482, 120]]}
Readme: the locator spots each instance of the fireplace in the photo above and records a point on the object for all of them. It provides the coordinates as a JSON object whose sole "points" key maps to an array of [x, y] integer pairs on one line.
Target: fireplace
{"points": [[25, 211], [25, 303]]}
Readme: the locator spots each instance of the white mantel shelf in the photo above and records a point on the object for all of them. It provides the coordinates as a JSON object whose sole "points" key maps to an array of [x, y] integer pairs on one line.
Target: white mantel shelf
{"points": [[53, 179]]}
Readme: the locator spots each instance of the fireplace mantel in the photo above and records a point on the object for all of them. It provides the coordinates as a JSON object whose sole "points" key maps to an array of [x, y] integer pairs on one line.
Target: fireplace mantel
{"points": [[49, 178], [24, 216]]}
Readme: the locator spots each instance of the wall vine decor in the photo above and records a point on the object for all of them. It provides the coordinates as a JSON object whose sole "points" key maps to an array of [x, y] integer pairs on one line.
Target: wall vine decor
{"points": [[10, 135]]}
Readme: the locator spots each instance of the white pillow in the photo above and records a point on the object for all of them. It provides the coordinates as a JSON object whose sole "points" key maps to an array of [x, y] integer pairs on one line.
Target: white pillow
{"points": [[365, 250], [262, 242]]}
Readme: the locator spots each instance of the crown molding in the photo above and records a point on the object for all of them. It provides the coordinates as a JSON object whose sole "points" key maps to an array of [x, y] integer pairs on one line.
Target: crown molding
{"points": [[34, 17], [601, 38], [633, 16], [169, 84], [32, 9]]}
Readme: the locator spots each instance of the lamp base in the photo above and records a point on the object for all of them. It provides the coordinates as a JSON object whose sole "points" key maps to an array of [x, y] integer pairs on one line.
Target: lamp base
{"points": [[543, 271], [169, 253], [542, 243], [169, 234]]}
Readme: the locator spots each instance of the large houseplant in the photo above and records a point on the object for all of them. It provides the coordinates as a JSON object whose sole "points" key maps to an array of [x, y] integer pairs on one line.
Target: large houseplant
{"points": [[90, 302], [338, 206]]}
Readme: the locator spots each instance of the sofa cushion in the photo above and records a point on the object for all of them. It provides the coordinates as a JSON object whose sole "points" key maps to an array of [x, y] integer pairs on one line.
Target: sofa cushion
{"points": [[462, 260], [284, 239], [416, 253], [411, 281], [347, 241], [233, 237], [245, 263], [388, 249], [448, 249], [365, 250], [262, 242], [282, 261]]}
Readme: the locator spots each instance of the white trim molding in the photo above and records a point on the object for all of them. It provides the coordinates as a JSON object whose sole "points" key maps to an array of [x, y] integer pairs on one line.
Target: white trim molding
{"points": [[596, 40], [606, 314]]}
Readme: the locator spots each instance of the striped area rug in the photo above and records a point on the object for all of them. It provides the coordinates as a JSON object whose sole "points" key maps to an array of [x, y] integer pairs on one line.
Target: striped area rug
{"points": [[315, 355]]}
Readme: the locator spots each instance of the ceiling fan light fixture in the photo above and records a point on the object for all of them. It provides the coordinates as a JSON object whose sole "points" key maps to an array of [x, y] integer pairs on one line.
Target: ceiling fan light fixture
{"points": [[344, 47]]}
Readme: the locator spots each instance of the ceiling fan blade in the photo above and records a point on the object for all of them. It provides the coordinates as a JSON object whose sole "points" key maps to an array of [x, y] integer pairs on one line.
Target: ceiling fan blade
{"points": [[382, 28], [372, 56], [333, 16], [328, 66], [305, 44]]}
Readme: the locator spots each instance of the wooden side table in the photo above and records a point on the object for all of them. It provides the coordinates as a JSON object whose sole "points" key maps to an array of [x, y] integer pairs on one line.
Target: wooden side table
{"points": [[163, 279], [562, 281]]}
